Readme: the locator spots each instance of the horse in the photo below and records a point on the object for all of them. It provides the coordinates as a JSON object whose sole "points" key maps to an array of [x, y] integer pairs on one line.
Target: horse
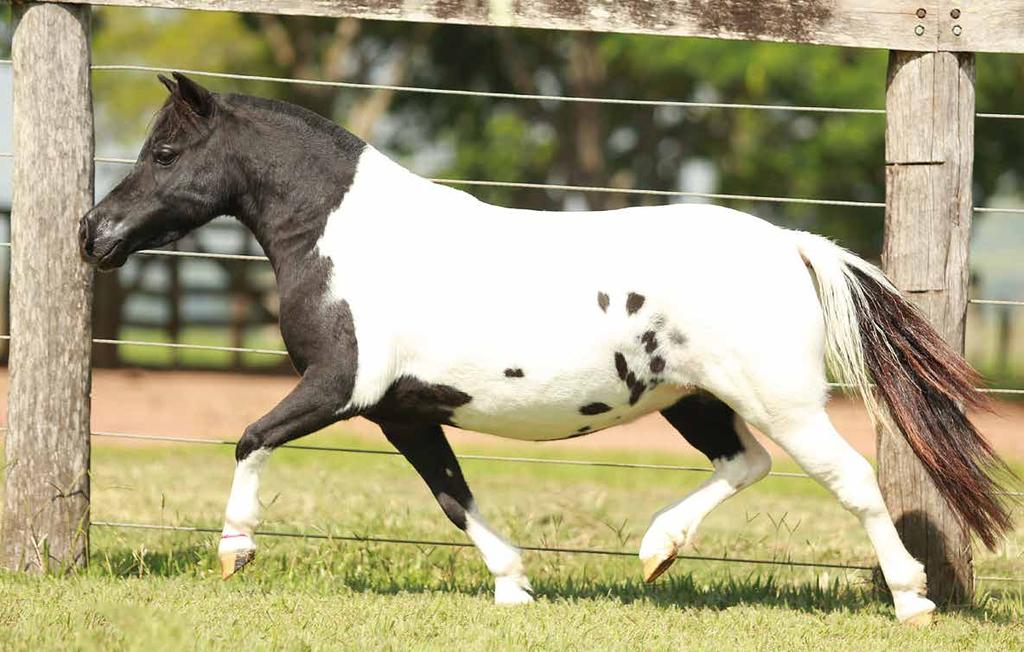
{"points": [[416, 305]]}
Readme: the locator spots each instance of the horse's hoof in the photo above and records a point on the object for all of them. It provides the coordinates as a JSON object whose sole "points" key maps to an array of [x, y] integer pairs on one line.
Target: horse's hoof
{"points": [[655, 566], [232, 562], [512, 590], [915, 610]]}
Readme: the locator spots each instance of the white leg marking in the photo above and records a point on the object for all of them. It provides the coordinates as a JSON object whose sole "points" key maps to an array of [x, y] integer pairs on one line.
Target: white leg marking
{"points": [[243, 509], [675, 526], [827, 457], [503, 560]]}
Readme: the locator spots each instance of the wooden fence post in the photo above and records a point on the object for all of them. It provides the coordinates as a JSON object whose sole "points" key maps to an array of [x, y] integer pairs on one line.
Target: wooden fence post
{"points": [[46, 510], [929, 153]]}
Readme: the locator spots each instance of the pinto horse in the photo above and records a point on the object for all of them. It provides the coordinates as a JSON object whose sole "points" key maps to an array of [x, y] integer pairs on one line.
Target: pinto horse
{"points": [[416, 305]]}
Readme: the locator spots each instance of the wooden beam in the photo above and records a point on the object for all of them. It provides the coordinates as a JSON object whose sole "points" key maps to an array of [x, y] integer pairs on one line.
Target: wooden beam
{"points": [[929, 157], [46, 511], [981, 26], [891, 24]]}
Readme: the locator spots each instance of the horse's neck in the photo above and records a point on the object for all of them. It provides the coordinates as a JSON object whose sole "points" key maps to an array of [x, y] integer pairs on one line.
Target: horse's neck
{"points": [[340, 200]]}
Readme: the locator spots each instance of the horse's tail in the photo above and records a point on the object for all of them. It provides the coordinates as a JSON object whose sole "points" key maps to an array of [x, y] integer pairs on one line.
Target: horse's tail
{"points": [[874, 335]]}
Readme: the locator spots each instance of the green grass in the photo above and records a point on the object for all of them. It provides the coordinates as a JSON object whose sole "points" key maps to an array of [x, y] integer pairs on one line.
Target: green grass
{"points": [[160, 590]]}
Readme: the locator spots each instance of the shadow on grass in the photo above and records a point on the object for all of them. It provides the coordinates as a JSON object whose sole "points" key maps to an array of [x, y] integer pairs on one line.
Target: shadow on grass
{"points": [[173, 562], [367, 570]]}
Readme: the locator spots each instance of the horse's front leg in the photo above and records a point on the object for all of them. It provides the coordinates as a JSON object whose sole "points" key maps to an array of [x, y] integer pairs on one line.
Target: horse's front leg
{"points": [[309, 407], [427, 449]]}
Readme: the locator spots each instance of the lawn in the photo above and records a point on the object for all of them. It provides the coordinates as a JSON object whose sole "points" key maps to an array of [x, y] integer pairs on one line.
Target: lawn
{"points": [[161, 590]]}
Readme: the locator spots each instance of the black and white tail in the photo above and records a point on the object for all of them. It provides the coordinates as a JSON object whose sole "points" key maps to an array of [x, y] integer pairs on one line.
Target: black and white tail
{"points": [[879, 343]]}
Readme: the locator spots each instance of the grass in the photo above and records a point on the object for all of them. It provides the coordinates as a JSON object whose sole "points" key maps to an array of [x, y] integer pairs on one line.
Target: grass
{"points": [[160, 590]]}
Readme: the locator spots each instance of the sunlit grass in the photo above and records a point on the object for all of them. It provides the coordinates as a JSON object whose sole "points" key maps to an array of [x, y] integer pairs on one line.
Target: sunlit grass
{"points": [[160, 589]]}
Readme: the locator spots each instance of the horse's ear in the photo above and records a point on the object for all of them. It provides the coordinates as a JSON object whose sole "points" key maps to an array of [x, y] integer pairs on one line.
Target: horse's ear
{"points": [[198, 99], [171, 86]]}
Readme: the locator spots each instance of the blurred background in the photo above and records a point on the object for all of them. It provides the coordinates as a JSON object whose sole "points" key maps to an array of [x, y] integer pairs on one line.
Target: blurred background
{"points": [[811, 155]]}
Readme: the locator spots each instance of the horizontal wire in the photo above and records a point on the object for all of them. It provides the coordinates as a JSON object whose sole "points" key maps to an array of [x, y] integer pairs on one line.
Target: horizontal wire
{"points": [[768, 199], [609, 189], [1000, 116], [995, 209], [996, 578], [492, 94], [242, 349], [663, 193], [521, 96], [995, 302], [491, 458], [202, 254], [198, 347], [461, 544]]}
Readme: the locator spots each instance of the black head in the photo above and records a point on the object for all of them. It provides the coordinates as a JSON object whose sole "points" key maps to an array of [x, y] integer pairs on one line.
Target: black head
{"points": [[183, 178]]}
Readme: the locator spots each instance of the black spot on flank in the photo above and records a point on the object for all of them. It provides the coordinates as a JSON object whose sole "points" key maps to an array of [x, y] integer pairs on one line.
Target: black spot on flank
{"points": [[657, 364], [634, 302], [648, 336], [630, 379], [594, 408], [620, 365], [583, 430], [636, 392], [602, 301], [651, 345], [514, 373], [676, 337]]}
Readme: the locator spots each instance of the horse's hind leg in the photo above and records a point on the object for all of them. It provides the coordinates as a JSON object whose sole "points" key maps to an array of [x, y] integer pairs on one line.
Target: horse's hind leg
{"points": [[427, 449], [806, 433], [711, 427]]}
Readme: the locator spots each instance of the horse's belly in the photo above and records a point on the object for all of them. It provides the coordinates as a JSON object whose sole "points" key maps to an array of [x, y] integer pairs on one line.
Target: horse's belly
{"points": [[541, 411]]}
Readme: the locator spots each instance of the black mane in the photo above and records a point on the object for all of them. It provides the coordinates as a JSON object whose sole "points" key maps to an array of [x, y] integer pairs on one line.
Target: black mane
{"points": [[347, 142]]}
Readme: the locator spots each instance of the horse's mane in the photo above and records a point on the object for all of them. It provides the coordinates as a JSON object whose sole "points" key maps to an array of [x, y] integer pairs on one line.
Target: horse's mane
{"points": [[347, 142]]}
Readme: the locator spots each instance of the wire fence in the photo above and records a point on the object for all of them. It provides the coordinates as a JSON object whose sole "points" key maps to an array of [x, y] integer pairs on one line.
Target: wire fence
{"points": [[550, 187]]}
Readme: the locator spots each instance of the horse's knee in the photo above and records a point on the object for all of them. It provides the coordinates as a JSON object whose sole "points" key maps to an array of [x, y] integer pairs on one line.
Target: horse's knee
{"points": [[252, 440], [454, 508]]}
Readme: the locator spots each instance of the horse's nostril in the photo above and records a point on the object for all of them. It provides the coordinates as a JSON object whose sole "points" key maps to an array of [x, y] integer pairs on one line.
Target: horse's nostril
{"points": [[84, 237]]}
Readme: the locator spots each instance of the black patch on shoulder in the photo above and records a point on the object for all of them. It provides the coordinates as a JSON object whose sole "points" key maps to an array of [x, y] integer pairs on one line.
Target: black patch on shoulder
{"points": [[636, 391], [634, 302], [620, 365], [657, 364], [630, 379], [707, 423], [410, 400], [595, 408], [514, 373], [602, 301]]}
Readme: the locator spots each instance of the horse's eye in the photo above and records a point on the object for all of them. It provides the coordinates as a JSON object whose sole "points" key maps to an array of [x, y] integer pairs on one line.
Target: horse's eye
{"points": [[164, 156]]}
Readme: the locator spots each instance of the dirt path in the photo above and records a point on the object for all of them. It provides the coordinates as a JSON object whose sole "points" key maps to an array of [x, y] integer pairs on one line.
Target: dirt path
{"points": [[220, 405]]}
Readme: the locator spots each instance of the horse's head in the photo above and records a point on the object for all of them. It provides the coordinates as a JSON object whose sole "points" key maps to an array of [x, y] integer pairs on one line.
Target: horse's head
{"points": [[182, 179]]}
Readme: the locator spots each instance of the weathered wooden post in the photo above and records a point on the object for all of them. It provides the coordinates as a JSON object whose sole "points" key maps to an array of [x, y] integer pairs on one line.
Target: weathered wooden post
{"points": [[46, 510], [929, 154]]}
